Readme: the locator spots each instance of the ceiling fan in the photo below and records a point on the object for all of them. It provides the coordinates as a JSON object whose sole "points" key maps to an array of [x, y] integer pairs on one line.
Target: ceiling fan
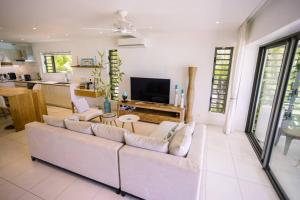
{"points": [[122, 26]]}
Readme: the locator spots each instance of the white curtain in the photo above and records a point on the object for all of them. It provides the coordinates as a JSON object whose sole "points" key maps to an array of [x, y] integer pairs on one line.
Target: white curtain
{"points": [[236, 77]]}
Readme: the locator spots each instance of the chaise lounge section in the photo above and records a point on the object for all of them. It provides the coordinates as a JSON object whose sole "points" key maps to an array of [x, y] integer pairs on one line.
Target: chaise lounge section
{"points": [[153, 175], [87, 155]]}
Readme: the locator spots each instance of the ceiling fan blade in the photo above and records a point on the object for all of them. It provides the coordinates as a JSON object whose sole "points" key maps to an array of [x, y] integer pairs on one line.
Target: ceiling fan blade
{"points": [[97, 28], [145, 28]]}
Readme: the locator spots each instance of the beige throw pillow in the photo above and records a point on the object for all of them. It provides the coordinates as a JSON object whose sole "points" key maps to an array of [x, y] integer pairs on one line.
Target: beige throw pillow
{"points": [[146, 142], [181, 142], [191, 127], [78, 126], [58, 121], [81, 105], [109, 132]]}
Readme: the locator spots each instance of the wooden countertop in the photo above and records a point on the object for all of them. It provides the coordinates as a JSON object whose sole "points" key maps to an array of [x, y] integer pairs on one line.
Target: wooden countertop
{"points": [[8, 92], [55, 83]]}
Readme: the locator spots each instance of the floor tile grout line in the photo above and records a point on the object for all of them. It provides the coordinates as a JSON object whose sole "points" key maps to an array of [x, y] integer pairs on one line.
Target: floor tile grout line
{"points": [[236, 172], [58, 195], [26, 190]]}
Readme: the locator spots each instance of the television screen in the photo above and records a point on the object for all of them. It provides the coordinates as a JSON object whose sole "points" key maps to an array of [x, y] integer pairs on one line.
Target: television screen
{"points": [[150, 89]]}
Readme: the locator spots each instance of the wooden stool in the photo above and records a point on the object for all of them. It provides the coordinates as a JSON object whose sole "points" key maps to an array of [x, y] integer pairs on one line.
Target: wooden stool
{"points": [[129, 119], [109, 118]]}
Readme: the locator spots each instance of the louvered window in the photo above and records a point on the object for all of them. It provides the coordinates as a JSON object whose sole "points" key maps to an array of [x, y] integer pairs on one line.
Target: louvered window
{"points": [[114, 72], [220, 80], [57, 62]]}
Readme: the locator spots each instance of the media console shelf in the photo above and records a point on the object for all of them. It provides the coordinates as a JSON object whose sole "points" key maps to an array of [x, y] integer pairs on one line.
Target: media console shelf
{"points": [[151, 112]]}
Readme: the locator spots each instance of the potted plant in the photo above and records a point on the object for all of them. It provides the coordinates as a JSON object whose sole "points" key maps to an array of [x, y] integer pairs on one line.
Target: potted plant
{"points": [[103, 84]]}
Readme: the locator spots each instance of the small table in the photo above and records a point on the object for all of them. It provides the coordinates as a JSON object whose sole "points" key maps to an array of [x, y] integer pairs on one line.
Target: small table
{"points": [[129, 119], [109, 118]]}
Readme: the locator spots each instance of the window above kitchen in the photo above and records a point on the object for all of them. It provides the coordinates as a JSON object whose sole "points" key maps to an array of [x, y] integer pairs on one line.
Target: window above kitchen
{"points": [[57, 62]]}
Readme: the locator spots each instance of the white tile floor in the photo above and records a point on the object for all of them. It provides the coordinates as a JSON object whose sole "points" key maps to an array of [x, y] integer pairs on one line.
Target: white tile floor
{"points": [[231, 171]]}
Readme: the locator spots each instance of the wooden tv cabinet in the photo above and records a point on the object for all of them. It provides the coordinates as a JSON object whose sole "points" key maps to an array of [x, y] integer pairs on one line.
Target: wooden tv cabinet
{"points": [[152, 112]]}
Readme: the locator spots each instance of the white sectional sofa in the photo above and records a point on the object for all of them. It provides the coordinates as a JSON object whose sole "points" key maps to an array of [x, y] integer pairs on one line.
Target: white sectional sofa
{"points": [[152, 175], [87, 155], [143, 173]]}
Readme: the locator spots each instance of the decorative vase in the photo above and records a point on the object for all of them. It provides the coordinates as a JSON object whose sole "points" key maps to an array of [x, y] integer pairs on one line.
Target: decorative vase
{"points": [[176, 95], [124, 96], [182, 99], [107, 105]]}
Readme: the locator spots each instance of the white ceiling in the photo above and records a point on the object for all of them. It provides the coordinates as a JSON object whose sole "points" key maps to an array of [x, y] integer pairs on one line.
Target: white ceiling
{"points": [[63, 19]]}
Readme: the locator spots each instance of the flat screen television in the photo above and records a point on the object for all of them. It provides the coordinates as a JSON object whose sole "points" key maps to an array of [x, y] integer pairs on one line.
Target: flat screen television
{"points": [[150, 89]]}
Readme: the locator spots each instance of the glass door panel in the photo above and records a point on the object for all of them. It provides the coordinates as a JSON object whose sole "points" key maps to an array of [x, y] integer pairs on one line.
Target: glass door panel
{"points": [[285, 157], [272, 66]]}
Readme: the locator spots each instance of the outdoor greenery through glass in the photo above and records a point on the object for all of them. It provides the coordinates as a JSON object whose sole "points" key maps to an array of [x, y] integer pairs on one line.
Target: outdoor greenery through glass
{"points": [[55, 63], [220, 81], [271, 70], [292, 97]]}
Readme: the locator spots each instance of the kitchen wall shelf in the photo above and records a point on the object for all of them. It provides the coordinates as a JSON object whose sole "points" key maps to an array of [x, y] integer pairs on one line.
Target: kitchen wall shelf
{"points": [[80, 66], [6, 63]]}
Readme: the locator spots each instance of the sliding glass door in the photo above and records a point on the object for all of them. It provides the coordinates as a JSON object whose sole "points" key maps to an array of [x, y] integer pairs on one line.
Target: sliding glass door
{"points": [[271, 68], [285, 156], [273, 124]]}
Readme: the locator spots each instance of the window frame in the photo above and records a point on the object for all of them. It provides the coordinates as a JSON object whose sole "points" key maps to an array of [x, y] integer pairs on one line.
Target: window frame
{"points": [[52, 55], [228, 78], [264, 154]]}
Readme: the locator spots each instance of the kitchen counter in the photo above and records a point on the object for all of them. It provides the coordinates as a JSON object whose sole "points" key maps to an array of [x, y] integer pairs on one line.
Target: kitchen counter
{"points": [[55, 93], [43, 82], [21, 115]]}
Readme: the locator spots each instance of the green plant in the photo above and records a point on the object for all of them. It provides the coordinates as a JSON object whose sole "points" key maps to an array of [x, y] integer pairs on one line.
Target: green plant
{"points": [[103, 84]]}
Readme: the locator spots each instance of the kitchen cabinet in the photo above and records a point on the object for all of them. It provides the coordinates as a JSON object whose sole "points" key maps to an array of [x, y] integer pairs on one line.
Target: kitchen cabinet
{"points": [[57, 95], [7, 84], [20, 84]]}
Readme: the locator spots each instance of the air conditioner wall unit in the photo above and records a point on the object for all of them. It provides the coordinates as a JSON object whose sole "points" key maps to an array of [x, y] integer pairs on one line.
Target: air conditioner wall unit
{"points": [[132, 42]]}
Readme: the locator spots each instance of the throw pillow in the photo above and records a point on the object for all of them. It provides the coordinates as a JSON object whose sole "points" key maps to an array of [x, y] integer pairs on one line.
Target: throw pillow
{"points": [[191, 127], [58, 121], [78, 126], [81, 105], [146, 142], [173, 130], [181, 142], [109, 132]]}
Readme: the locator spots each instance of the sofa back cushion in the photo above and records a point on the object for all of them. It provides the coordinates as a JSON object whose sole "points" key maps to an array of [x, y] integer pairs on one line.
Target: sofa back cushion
{"points": [[146, 142], [109, 132], [181, 142], [79, 126], [165, 130], [58, 121], [81, 105]]}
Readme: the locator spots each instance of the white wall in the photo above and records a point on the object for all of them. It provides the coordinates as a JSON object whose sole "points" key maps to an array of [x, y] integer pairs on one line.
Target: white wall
{"points": [[277, 19], [273, 16], [167, 57]]}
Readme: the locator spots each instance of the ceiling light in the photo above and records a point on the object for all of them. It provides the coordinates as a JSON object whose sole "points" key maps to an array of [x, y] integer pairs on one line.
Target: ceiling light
{"points": [[67, 34], [34, 28], [218, 22], [22, 39], [1, 40], [100, 32]]}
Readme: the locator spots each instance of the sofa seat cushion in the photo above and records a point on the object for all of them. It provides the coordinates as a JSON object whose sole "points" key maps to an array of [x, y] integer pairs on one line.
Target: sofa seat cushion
{"points": [[165, 130], [81, 127], [109, 132], [181, 142], [147, 142], [89, 114], [57, 120]]}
